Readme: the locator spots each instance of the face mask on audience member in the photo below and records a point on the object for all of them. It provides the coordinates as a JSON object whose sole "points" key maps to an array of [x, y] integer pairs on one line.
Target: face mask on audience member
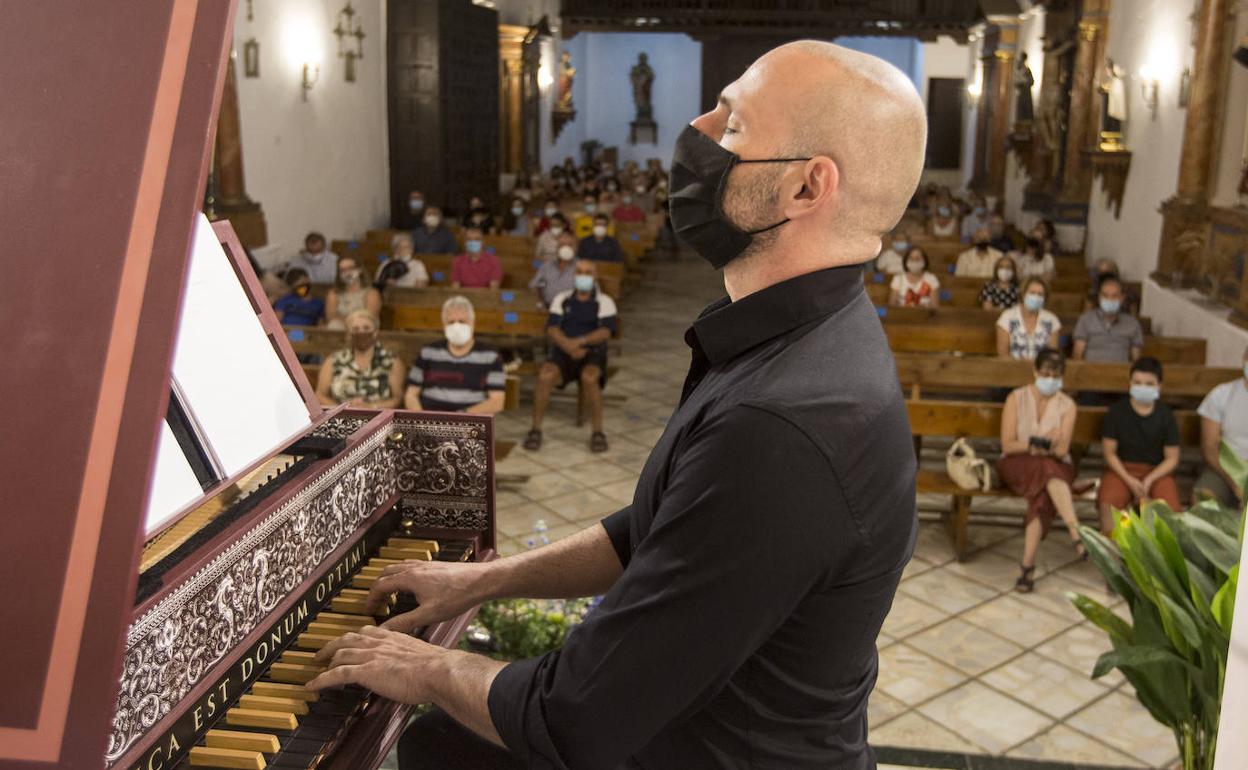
{"points": [[584, 283], [416, 204], [473, 246], [350, 276], [302, 290], [556, 230], [363, 340], [626, 199], [979, 211], [517, 210], [1145, 394], [1048, 385], [612, 186], [641, 190], [590, 207], [458, 333], [1110, 306], [981, 246], [901, 247], [1034, 302], [552, 210], [566, 253], [944, 211], [432, 221], [1005, 275], [914, 266], [600, 231]]}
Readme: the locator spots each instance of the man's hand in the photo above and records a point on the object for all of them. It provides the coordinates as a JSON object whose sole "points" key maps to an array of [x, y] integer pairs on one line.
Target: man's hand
{"points": [[393, 665], [443, 589], [1139, 489], [578, 352]]}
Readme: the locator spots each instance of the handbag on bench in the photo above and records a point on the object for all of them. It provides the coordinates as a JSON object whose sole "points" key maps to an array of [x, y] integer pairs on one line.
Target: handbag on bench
{"points": [[966, 469]]}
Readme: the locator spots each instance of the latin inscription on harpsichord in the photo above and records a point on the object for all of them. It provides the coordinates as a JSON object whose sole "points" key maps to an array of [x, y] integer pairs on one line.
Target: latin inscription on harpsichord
{"points": [[441, 467]]}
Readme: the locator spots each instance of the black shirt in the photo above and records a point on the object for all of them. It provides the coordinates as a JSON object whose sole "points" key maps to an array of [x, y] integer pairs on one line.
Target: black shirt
{"points": [[761, 552], [1141, 439]]}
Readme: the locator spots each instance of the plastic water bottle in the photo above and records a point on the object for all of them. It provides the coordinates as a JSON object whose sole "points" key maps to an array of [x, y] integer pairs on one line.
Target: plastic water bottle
{"points": [[540, 529]]}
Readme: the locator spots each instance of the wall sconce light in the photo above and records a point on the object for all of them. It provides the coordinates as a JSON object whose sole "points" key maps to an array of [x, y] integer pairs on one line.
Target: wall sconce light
{"points": [[544, 79], [1149, 87], [310, 74], [974, 90], [251, 58]]}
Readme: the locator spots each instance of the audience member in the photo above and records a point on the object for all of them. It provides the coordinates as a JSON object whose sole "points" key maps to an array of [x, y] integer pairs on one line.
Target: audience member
{"points": [[979, 260], [1107, 334], [1046, 232], [548, 242], [475, 268], [457, 374], [1107, 268], [416, 205], [1223, 417], [1140, 438], [1027, 328], [317, 260], [917, 286], [1036, 262], [998, 238], [434, 237], [364, 373], [298, 307], [892, 261], [584, 222], [558, 275], [599, 246], [944, 223], [549, 212], [351, 292], [516, 220], [403, 269], [1001, 291], [975, 221], [628, 210], [479, 216], [274, 285], [1036, 427], [580, 324]]}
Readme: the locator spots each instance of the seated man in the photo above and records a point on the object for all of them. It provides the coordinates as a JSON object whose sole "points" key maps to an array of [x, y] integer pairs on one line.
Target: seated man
{"points": [[319, 262], [299, 307], [979, 260], [580, 323], [892, 261], [599, 246], [1141, 441], [628, 210], [1106, 333], [975, 220], [416, 205], [547, 246], [1223, 417], [433, 237], [558, 275], [457, 374], [476, 268], [997, 236]]}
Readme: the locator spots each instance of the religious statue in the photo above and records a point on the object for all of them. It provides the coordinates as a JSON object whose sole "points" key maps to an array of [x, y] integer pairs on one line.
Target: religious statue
{"points": [[1024, 111], [642, 77], [1113, 106], [567, 73]]}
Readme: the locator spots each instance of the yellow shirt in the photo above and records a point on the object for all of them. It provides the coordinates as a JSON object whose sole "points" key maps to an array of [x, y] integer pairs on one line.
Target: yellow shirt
{"points": [[583, 226]]}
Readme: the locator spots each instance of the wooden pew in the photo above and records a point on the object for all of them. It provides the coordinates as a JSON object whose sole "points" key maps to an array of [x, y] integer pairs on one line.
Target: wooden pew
{"points": [[406, 344], [1060, 303], [511, 392], [982, 341], [983, 420], [918, 372], [972, 316]]}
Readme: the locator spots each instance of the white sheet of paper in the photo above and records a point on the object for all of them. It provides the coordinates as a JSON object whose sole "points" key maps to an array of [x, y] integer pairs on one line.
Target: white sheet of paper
{"points": [[173, 485], [234, 382]]}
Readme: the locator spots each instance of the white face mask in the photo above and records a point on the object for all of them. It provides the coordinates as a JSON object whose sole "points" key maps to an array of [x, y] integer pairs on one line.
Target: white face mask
{"points": [[600, 230], [1005, 275], [556, 230], [432, 221], [914, 267], [551, 211], [458, 333], [566, 253]]}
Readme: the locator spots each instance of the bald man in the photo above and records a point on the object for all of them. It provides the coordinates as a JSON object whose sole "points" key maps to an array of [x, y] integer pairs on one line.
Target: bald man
{"points": [[746, 584]]}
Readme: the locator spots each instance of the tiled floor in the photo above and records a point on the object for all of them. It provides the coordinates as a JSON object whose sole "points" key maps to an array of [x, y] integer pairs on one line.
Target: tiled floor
{"points": [[965, 664]]}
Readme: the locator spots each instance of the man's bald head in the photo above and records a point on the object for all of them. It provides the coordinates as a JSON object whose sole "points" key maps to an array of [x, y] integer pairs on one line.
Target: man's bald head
{"points": [[859, 121]]}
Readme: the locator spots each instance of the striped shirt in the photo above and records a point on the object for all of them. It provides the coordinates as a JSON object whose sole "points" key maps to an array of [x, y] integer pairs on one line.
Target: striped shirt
{"points": [[453, 383]]}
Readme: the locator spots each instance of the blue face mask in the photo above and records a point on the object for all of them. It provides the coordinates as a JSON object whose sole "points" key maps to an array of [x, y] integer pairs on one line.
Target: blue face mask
{"points": [[473, 247], [1034, 302], [901, 247], [584, 283], [517, 210], [943, 211], [1145, 394], [1110, 306], [979, 211], [591, 208], [1048, 385]]}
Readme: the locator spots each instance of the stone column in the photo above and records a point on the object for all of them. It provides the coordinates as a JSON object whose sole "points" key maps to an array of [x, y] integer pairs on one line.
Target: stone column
{"points": [[510, 88], [997, 90], [1082, 120], [229, 189], [979, 170], [1186, 215]]}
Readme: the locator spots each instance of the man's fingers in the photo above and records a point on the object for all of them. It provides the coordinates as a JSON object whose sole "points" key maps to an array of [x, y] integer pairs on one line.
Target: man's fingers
{"points": [[408, 621], [382, 588], [351, 656], [352, 639], [341, 676]]}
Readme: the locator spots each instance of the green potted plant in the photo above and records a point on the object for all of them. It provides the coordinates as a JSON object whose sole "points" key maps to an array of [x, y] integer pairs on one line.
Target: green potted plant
{"points": [[1178, 574]]}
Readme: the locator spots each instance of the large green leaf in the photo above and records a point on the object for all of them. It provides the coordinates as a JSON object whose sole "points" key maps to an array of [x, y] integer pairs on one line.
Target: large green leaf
{"points": [[1226, 519], [1182, 620], [1101, 616], [1234, 467], [1223, 605], [1221, 549], [1134, 656], [1104, 556], [1171, 552]]}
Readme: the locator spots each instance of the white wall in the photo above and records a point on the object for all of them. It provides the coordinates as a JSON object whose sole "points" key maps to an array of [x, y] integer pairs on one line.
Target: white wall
{"points": [[1030, 42], [1156, 34], [1235, 111], [321, 164]]}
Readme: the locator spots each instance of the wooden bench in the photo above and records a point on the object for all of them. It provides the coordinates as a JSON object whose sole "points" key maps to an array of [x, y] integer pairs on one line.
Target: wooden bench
{"points": [[1060, 303], [957, 419], [511, 391], [982, 341], [968, 316], [919, 372]]}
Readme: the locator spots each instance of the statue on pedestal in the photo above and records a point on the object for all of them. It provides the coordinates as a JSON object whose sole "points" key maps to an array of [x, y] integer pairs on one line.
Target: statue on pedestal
{"points": [[567, 73], [1113, 106], [1024, 110], [643, 128]]}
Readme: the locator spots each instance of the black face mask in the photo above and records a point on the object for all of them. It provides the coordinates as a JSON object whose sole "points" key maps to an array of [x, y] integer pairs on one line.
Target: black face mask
{"points": [[700, 169]]}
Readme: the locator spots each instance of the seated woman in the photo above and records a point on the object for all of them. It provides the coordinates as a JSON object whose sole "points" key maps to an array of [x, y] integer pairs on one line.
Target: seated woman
{"points": [[364, 373], [944, 223], [1036, 427], [298, 307], [547, 247], [918, 286], [1027, 327], [457, 374], [1036, 262], [1001, 291], [351, 292], [516, 220], [402, 270]]}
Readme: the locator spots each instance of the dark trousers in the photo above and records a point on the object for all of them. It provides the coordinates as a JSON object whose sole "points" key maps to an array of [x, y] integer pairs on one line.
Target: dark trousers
{"points": [[434, 741]]}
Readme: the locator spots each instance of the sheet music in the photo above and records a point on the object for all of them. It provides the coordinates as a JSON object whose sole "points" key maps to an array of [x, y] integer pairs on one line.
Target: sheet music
{"points": [[174, 485]]}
